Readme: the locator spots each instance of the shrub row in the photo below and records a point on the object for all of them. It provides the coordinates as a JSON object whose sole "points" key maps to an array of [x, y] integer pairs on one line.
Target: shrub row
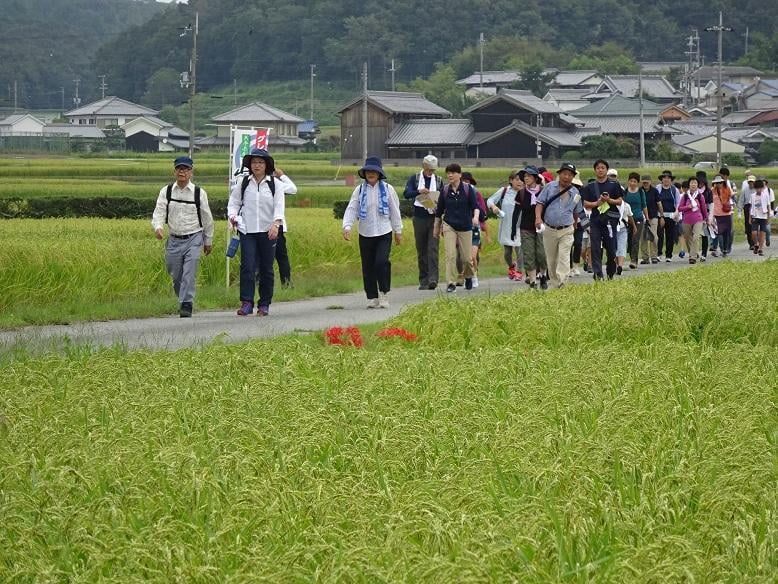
{"points": [[105, 207]]}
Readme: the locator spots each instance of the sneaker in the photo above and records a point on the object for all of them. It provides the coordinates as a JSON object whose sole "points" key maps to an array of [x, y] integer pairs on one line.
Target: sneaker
{"points": [[460, 284], [645, 262], [424, 286], [246, 308], [373, 303], [451, 288], [761, 252], [186, 310], [468, 283], [475, 281], [692, 261], [433, 286], [655, 260], [703, 258], [544, 283], [383, 300], [633, 267], [263, 310], [519, 276], [512, 272], [532, 285], [576, 271], [619, 270], [681, 254], [714, 253], [668, 260]]}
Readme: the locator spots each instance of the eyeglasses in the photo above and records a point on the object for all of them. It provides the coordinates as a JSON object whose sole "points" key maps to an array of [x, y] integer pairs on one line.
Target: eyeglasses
{"points": [[183, 168]]}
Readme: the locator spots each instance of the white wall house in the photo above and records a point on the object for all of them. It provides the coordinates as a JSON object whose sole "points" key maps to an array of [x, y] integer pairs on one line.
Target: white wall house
{"points": [[21, 124], [111, 111]]}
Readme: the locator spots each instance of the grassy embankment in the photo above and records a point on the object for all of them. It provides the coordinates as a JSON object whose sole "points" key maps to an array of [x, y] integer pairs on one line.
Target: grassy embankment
{"points": [[560, 437]]}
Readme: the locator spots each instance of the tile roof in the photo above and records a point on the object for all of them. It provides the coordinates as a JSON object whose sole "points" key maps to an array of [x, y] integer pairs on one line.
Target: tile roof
{"points": [[431, 132], [569, 78], [112, 106], [555, 136], [522, 98], [14, 118], [397, 102], [618, 105], [712, 72], [656, 86], [627, 125], [740, 117], [257, 112], [491, 77]]}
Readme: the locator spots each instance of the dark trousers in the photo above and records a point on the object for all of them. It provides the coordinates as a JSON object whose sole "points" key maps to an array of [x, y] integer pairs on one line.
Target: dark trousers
{"points": [[602, 235], [376, 267], [747, 223], [426, 249], [724, 224], [633, 241], [667, 237], [257, 253], [575, 251], [282, 257]]}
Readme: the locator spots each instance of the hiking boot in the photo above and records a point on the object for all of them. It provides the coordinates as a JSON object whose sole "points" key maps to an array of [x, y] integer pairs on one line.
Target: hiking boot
{"points": [[468, 283], [433, 286], [544, 283], [532, 285], [263, 310], [246, 308], [475, 281], [373, 303], [383, 300], [451, 288], [619, 270], [681, 254], [186, 310], [424, 286], [645, 262], [633, 267]]}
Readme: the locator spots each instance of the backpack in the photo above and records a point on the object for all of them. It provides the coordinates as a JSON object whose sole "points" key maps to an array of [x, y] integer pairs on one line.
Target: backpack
{"points": [[196, 202]]}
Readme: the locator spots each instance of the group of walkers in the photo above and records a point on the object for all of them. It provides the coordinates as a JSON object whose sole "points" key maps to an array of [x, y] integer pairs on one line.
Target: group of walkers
{"points": [[549, 228]]}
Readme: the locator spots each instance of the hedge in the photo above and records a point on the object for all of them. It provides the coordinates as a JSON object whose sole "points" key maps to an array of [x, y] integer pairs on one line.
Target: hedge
{"points": [[105, 207]]}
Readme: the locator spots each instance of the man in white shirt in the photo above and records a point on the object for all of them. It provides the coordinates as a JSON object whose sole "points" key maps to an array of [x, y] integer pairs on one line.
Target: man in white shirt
{"points": [[184, 208], [256, 207], [425, 185]]}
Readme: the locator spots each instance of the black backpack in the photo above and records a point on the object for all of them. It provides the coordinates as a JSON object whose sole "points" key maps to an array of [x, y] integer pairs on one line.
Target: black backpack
{"points": [[196, 202]]}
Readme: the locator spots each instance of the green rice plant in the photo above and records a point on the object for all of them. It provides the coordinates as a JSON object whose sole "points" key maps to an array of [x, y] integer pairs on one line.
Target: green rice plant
{"points": [[287, 460], [60, 270]]}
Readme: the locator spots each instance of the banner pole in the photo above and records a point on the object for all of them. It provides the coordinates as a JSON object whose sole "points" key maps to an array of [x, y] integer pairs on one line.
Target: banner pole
{"points": [[229, 181]]}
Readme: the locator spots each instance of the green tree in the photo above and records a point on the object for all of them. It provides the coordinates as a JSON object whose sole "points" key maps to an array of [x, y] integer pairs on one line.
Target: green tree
{"points": [[163, 88], [768, 151], [610, 59], [441, 88], [534, 80]]}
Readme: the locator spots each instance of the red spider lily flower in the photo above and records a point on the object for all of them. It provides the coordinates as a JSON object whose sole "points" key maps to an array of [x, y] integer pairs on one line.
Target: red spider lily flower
{"points": [[399, 333], [343, 336]]}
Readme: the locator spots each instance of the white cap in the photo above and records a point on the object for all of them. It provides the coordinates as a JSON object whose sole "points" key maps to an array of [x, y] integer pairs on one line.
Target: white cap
{"points": [[612, 172], [430, 161]]}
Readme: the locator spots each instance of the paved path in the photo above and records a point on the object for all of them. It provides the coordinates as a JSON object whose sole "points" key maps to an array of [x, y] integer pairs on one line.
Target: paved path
{"points": [[172, 332]]}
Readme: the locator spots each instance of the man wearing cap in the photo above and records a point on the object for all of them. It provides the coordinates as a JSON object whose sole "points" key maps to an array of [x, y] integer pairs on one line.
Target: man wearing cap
{"points": [[603, 197], [421, 188], [556, 212], [184, 208], [744, 206], [256, 208], [669, 199]]}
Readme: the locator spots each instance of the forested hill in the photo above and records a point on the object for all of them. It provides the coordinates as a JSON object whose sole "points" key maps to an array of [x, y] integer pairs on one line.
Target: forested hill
{"points": [[279, 39], [45, 44]]}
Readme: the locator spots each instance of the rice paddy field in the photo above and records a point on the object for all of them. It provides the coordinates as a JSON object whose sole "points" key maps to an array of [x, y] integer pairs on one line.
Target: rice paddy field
{"points": [[320, 182], [561, 437], [65, 270]]}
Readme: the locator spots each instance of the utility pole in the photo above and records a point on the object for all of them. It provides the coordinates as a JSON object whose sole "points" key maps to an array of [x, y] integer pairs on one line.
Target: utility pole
{"points": [[62, 91], [193, 69], [313, 68], [235, 92], [77, 99], [481, 42], [103, 86], [720, 29], [538, 143], [16, 96], [364, 111], [642, 133], [392, 70], [746, 51]]}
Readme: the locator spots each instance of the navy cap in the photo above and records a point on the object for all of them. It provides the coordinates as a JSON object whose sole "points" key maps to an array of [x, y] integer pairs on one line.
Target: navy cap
{"points": [[567, 166], [183, 161]]}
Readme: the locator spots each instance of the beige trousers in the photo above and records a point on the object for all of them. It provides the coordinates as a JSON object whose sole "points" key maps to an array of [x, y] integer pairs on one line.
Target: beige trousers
{"points": [[465, 238], [692, 235], [558, 243]]}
